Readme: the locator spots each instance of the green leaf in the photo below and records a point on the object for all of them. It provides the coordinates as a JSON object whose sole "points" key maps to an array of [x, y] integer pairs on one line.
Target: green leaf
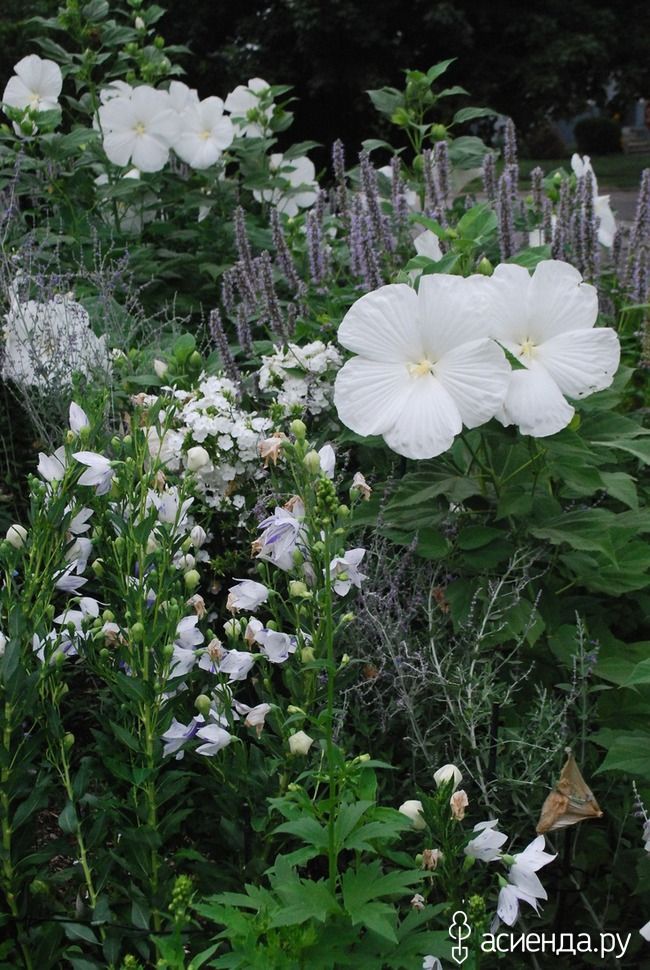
{"points": [[621, 486], [437, 70], [629, 753], [307, 829], [386, 100], [68, 821], [184, 347], [480, 220], [77, 931], [469, 114], [476, 536]]}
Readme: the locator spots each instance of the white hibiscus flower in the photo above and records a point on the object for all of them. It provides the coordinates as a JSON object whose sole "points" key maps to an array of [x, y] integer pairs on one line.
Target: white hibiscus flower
{"points": [[206, 132], [546, 321], [602, 208], [36, 84], [244, 105], [300, 190], [139, 128], [424, 368]]}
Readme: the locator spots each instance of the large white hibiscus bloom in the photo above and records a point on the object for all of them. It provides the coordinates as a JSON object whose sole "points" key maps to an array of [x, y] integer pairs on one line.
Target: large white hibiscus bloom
{"points": [[139, 128], [425, 367], [546, 321], [244, 105], [36, 84], [301, 189], [602, 208], [205, 133]]}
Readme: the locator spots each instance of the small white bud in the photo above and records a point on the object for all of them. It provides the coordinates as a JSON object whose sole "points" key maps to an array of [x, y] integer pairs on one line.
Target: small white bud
{"points": [[197, 458], [445, 774], [300, 743], [413, 810], [16, 536]]}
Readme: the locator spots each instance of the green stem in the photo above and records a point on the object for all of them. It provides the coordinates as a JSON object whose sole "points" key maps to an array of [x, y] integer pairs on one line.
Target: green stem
{"points": [[7, 867], [81, 844], [331, 758]]}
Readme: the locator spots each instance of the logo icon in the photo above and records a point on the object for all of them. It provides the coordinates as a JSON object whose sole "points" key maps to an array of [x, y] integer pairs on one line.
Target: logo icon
{"points": [[459, 930]]}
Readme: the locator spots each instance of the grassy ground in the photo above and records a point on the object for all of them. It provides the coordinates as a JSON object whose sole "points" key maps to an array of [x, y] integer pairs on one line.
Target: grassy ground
{"points": [[613, 171]]}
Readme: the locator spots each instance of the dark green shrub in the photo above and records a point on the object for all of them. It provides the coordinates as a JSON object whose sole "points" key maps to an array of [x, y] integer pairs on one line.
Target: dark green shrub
{"points": [[598, 136], [544, 141]]}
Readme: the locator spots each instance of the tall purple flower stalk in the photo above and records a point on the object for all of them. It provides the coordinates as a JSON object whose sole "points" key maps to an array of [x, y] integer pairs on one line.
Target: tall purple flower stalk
{"points": [[218, 334]]}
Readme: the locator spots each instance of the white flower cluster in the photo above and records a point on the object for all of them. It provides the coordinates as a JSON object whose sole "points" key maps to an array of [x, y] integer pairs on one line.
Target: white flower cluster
{"points": [[213, 437], [301, 378], [46, 343]]}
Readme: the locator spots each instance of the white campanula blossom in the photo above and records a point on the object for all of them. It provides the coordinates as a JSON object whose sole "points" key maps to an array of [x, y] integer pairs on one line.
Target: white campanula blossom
{"points": [[283, 533], [52, 467], [299, 188], [215, 737], [80, 521], [46, 343], [523, 883], [77, 419], [244, 105], [36, 85], [431, 963], [546, 321], [255, 716], [275, 646], [486, 846], [300, 743], [645, 931], [424, 366], [99, 471], [301, 376], [412, 808], [246, 595], [68, 579], [3, 643], [171, 507], [345, 573], [139, 128], [602, 207], [205, 134], [16, 536], [56, 643], [79, 552], [177, 734], [327, 458]]}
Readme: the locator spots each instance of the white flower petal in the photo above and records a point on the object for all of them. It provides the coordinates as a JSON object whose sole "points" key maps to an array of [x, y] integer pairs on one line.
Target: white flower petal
{"points": [[429, 421], [581, 362], [370, 395], [149, 153], [505, 303], [607, 227], [559, 301], [450, 311], [383, 325], [477, 376], [534, 402]]}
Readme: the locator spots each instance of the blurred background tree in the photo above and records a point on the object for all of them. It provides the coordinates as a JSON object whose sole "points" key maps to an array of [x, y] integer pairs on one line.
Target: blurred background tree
{"points": [[532, 62]]}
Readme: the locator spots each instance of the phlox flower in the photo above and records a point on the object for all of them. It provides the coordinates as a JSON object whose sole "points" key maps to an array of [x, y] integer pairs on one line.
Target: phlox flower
{"points": [[46, 343], [244, 106], [138, 128], [602, 208], [546, 321], [424, 367], [99, 471], [36, 84], [300, 189], [206, 133], [345, 573]]}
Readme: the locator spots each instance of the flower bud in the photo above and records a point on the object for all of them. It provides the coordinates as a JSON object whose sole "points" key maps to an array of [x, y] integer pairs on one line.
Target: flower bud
{"points": [[197, 458], [203, 704], [139, 25], [16, 536], [97, 567], [485, 267], [198, 536], [307, 655], [68, 741], [137, 632], [298, 588], [458, 803], [232, 628], [300, 743], [192, 580], [445, 774], [311, 462], [413, 810], [160, 367], [298, 428]]}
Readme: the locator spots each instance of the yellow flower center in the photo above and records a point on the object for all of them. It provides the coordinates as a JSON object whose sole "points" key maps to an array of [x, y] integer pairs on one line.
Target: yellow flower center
{"points": [[140, 128], [205, 135], [34, 98], [423, 367], [527, 349]]}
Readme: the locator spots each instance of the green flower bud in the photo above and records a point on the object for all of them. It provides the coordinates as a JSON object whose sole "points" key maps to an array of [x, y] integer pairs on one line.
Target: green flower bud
{"points": [[192, 579], [98, 568], [68, 740], [203, 704], [195, 361], [271, 625], [311, 462], [307, 655], [485, 267], [137, 632], [298, 588], [438, 133], [298, 428]]}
